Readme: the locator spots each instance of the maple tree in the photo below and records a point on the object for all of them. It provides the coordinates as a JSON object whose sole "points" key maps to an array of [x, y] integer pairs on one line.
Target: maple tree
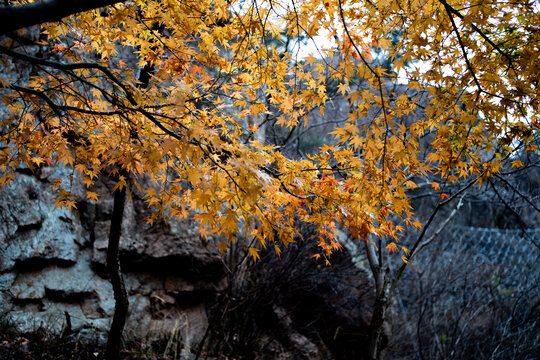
{"points": [[183, 92]]}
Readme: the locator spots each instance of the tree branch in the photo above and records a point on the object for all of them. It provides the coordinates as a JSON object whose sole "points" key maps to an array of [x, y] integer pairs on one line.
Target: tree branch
{"points": [[518, 192], [460, 41], [58, 107], [69, 67], [21, 16], [424, 229], [441, 228], [451, 10]]}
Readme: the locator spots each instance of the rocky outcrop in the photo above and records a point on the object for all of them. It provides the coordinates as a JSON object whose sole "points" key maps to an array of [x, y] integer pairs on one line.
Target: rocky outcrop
{"points": [[52, 262], [33, 232]]}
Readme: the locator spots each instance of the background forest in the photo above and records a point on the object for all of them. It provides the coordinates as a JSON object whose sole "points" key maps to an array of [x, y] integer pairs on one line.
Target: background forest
{"points": [[269, 180]]}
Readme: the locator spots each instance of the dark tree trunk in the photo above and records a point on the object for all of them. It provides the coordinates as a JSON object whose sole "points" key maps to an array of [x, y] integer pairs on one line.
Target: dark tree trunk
{"points": [[113, 266], [121, 305], [378, 318], [376, 330]]}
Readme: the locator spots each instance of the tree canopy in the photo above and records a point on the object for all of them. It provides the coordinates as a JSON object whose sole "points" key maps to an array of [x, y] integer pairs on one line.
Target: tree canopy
{"points": [[458, 96]]}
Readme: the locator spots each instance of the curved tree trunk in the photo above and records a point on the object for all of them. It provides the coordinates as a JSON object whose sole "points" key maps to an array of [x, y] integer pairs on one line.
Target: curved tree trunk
{"points": [[113, 266], [121, 302]]}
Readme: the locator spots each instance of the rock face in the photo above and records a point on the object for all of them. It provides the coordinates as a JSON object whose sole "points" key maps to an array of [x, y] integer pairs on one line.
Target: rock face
{"points": [[52, 261], [53, 268], [32, 231]]}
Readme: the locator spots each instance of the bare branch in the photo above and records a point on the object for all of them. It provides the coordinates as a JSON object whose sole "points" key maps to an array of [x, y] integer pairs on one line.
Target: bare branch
{"points": [[69, 67], [518, 192], [462, 46], [423, 233], [451, 10], [441, 227], [21, 16]]}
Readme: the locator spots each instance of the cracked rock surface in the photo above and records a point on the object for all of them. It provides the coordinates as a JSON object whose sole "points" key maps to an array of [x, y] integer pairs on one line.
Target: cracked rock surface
{"points": [[52, 261]]}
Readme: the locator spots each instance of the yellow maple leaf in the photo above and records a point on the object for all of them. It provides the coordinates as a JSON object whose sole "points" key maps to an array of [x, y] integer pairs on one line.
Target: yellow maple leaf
{"points": [[254, 253], [392, 247], [92, 196]]}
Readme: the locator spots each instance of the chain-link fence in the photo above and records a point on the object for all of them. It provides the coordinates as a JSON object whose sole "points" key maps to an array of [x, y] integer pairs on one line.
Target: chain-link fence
{"points": [[515, 252], [472, 293]]}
